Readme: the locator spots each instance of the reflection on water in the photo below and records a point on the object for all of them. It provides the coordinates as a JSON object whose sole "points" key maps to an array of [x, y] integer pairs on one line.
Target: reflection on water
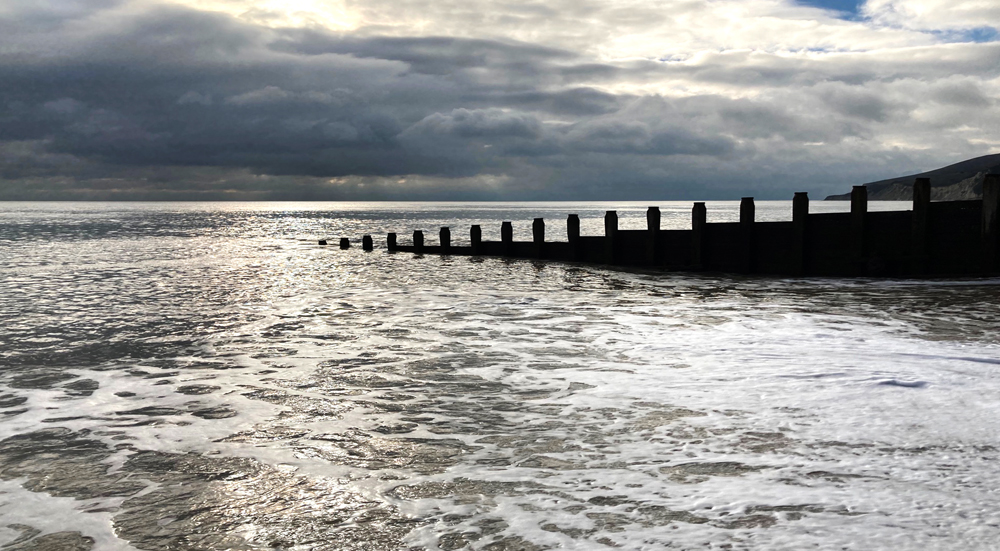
{"points": [[206, 377]]}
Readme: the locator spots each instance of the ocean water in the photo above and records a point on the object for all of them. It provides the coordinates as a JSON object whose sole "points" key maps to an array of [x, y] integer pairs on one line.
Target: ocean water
{"points": [[204, 376]]}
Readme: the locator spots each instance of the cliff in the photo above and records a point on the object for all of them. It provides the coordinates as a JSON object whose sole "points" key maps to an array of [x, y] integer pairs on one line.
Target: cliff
{"points": [[955, 182]]}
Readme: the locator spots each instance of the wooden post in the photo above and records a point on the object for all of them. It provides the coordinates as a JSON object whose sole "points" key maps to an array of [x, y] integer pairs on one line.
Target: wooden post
{"points": [[345, 243], [538, 235], [748, 213], [859, 213], [367, 243], [991, 223], [800, 216], [573, 236], [653, 235], [699, 217], [390, 242], [610, 235], [476, 236], [920, 221], [445, 236], [418, 241], [507, 237]]}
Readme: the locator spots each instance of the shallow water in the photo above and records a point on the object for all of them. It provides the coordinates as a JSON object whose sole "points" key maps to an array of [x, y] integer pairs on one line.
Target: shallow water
{"points": [[204, 376]]}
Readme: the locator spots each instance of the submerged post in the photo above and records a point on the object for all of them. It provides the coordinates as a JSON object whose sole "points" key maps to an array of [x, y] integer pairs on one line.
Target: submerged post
{"points": [[345, 243], [367, 243], [573, 235], [476, 236], [699, 217], [920, 221], [748, 212], [653, 235], [418, 241], [800, 214], [859, 214], [507, 237], [445, 236], [390, 241], [610, 235], [991, 223], [538, 235]]}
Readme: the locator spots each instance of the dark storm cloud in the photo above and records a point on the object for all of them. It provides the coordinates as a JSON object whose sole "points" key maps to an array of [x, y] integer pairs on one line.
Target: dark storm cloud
{"points": [[116, 99], [637, 137], [172, 86], [32, 16], [579, 101]]}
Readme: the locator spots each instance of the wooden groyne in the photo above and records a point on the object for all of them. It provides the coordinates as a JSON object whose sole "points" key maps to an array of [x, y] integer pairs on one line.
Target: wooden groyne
{"points": [[952, 238]]}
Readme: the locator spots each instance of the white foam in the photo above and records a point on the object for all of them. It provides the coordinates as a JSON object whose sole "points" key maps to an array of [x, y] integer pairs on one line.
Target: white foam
{"points": [[50, 514], [878, 424]]}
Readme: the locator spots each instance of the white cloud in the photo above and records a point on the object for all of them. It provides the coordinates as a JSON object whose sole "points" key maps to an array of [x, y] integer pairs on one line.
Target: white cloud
{"points": [[936, 15], [606, 29]]}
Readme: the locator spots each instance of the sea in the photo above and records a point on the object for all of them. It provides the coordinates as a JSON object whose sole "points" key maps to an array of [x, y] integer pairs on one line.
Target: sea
{"points": [[205, 376]]}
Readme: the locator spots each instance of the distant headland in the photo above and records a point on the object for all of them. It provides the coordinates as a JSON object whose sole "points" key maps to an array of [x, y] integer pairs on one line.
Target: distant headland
{"points": [[958, 182]]}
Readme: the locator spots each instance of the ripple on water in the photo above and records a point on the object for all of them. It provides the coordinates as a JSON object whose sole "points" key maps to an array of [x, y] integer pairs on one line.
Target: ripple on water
{"points": [[216, 381]]}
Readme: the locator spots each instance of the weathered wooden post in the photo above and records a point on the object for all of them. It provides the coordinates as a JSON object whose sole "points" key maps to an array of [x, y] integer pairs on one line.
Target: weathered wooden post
{"points": [[800, 216], [345, 243], [507, 237], [390, 242], [653, 234], [538, 235], [418, 241], [445, 237], [476, 236], [991, 223], [367, 243], [920, 221], [859, 214], [610, 236], [573, 236], [748, 212], [699, 217]]}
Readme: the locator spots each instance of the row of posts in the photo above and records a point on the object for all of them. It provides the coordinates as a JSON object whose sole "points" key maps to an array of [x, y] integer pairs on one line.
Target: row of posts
{"points": [[345, 243], [800, 212], [699, 219], [920, 220]]}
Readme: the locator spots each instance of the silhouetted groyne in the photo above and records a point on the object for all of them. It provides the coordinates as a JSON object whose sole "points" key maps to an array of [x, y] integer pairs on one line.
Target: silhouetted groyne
{"points": [[933, 239]]}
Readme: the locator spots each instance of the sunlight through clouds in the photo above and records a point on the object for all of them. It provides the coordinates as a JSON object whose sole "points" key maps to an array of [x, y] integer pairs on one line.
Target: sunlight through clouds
{"points": [[552, 98], [609, 29], [328, 14]]}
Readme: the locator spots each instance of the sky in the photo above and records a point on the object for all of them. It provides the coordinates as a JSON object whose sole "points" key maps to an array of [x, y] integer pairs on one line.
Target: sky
{"points": [[488, 99]]}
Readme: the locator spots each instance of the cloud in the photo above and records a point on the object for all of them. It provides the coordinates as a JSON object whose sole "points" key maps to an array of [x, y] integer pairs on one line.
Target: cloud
{"points": [[935, 14], [479, 124], [639, 138], [586, 99], [194, 97]]}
